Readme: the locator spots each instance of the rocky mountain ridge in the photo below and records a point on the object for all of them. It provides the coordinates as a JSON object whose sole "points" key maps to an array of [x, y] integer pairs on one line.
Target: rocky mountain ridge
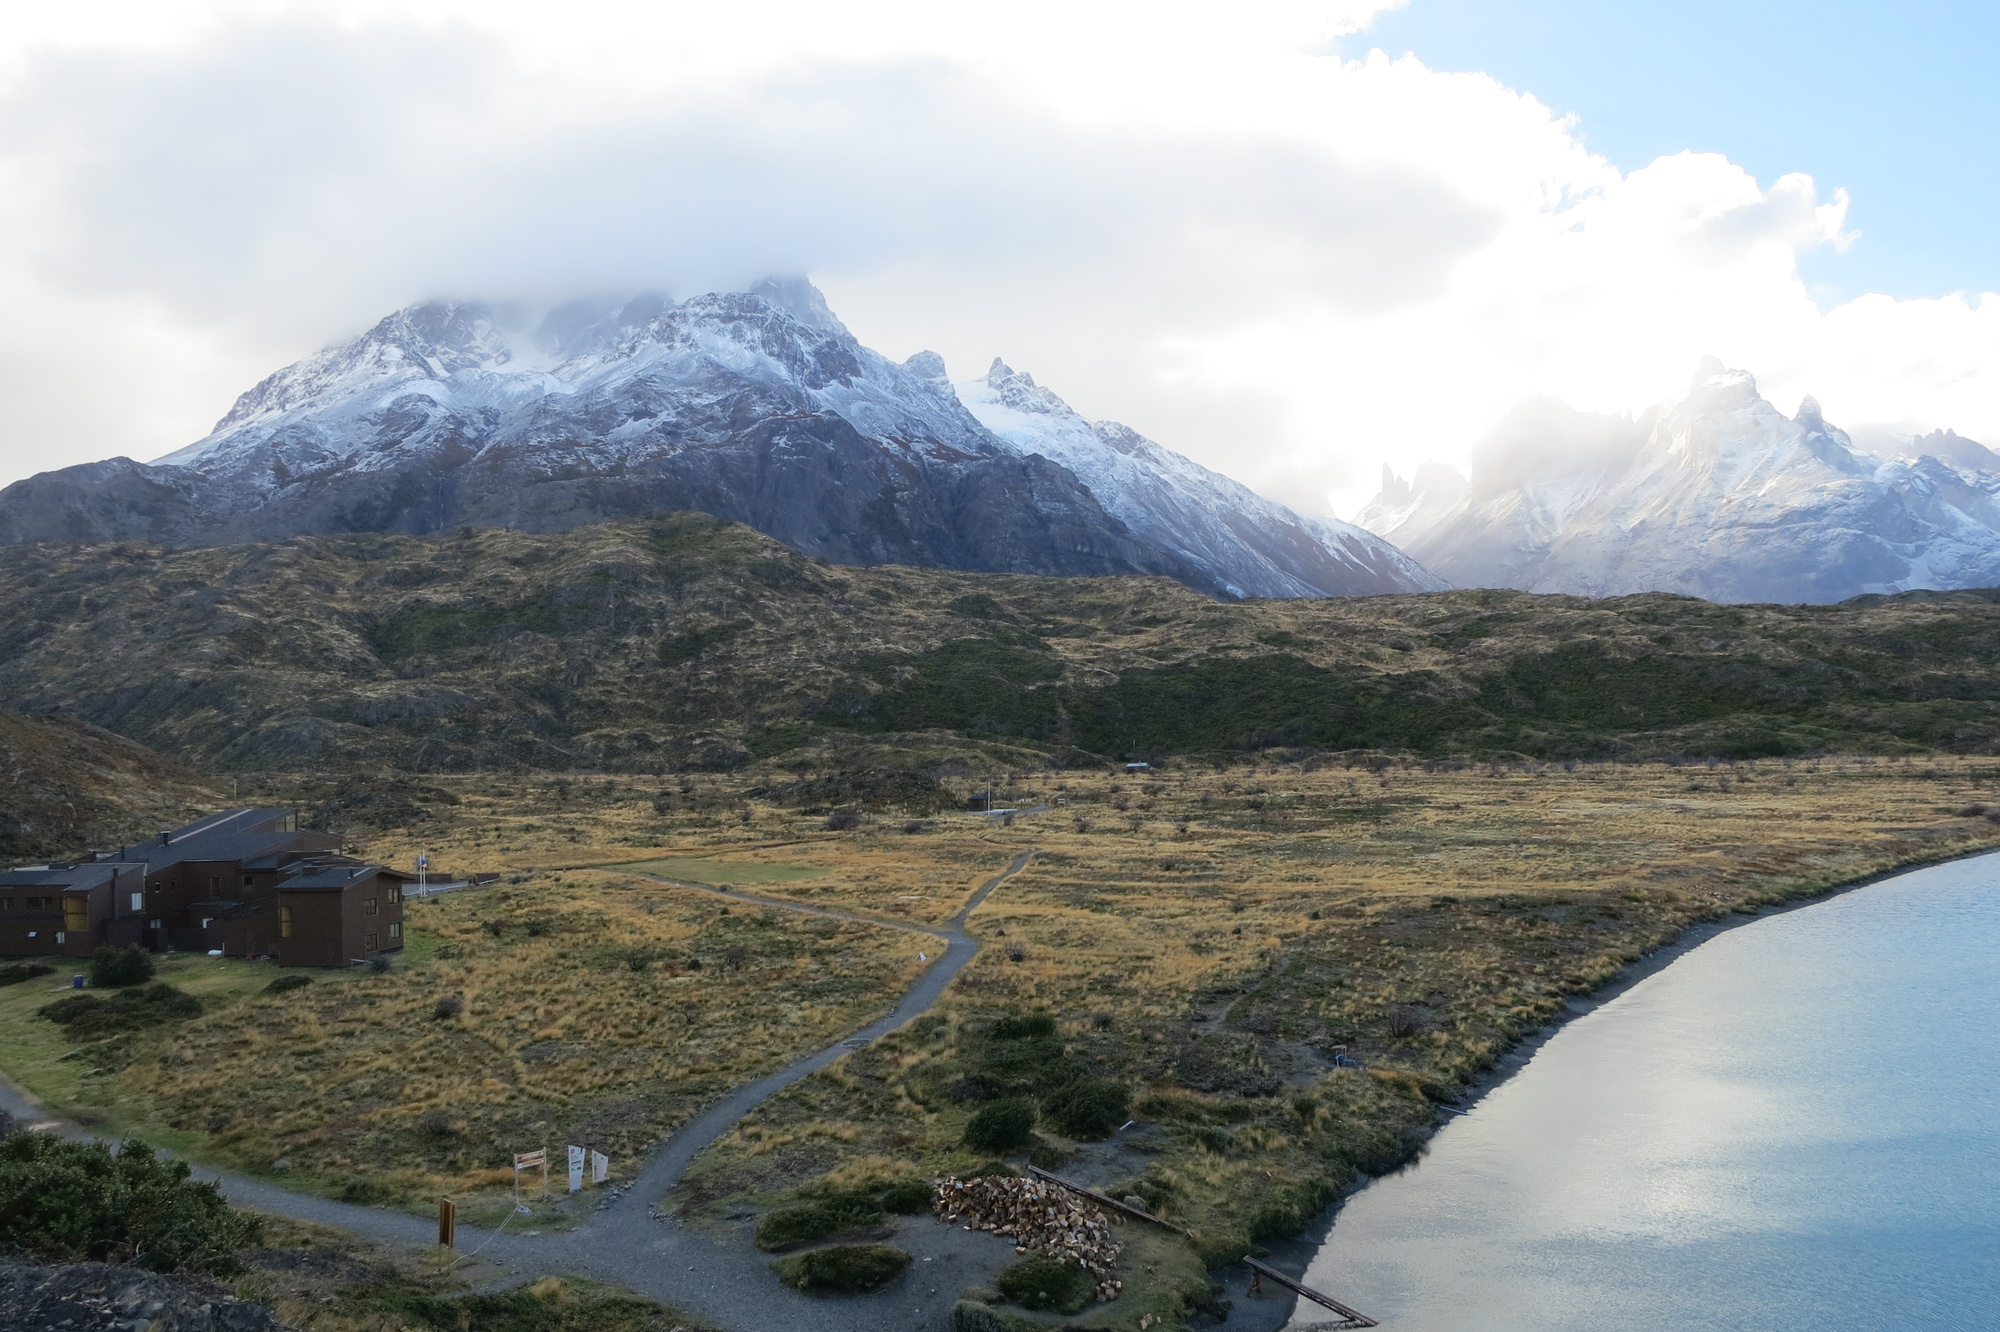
{"points": [[1717, 495], [684, 642], [757, 406]]}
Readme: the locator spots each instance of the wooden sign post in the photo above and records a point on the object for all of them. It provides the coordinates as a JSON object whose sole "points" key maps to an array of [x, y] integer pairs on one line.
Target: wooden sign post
{"points": [[528, 1161], [447, 1224]]}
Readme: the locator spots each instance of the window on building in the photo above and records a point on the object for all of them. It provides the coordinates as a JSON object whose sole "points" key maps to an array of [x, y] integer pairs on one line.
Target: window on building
{"points": [[138, 901], [156, 924], [284, 922], [6, 904], [371, 944], [76, 913], [395, 894], [369, 906], [395, 929], [248, 881]]}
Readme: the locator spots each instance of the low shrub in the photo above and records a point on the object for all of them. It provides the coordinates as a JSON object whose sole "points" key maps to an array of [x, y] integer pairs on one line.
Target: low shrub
{"points": [[116, 968], [844, 1269], [16, 972], [815, 1221], [286, 984], [84, 1016], [1088, 1108], [833, 1211], [1001, 1126], [69, 1202], [447, 1008], [910, 1197], [1289, 1210], [1018, 1025], [1040, 1282]]}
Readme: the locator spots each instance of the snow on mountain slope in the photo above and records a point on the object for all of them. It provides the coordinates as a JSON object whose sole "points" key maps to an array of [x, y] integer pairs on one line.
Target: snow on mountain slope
{"points": [[1717, 495], [1252, 546], [758, 406]]}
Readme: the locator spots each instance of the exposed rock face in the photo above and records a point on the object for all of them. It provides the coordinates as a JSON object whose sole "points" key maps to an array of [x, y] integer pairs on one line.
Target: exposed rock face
{"points": [[1718, 495], [758, 407], [112, 1297]]}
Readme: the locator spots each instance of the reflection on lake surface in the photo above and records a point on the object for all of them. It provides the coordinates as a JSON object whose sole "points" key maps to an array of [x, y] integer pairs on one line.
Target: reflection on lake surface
{"points": [[1794, 1126]]}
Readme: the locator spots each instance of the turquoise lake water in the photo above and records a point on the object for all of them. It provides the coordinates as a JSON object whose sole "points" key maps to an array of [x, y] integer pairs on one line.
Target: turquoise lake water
{"points": [[1794, 1126]]}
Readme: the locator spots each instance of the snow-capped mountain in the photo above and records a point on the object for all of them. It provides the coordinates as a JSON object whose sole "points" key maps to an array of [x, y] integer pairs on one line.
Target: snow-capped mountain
{"points": [[1249, 545], [1718, 495], [757, 406]]}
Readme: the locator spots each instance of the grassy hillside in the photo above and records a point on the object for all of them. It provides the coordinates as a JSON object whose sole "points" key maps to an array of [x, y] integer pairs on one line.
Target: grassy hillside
{"points": [[684, 642], [66, 786]]}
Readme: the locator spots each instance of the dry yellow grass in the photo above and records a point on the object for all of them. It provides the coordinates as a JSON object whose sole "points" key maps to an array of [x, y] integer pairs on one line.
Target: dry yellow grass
{"points": [[1205, 937]]}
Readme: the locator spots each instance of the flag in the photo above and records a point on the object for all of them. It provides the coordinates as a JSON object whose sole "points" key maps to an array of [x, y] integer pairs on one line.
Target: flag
{"points": [[575, 1169]]}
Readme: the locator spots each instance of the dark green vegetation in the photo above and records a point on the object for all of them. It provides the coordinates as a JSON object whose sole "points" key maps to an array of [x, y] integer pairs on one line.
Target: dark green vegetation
{"points": [[63, 1201], [549, 1305], [284, 984], [1001, 1126], [1030, 1074], [85, 1017], [831, 1210], [1040, 1282], [13, 973], [115, 968], [682, 642], [846, 1269]]}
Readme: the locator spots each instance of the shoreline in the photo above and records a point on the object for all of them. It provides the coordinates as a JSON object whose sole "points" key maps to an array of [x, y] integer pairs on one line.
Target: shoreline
{"points": [[1256, 1314]]}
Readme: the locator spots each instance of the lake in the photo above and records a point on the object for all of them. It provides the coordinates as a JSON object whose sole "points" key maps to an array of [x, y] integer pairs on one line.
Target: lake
{"points": [[1796, 1125]]}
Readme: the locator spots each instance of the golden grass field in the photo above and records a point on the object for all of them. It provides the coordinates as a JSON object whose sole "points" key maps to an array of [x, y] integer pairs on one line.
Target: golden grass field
{"points": [[1206, 938]]}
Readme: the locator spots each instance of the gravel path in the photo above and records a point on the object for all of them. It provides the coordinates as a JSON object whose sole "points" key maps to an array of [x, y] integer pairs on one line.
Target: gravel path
{"points": [[625, 1243]]}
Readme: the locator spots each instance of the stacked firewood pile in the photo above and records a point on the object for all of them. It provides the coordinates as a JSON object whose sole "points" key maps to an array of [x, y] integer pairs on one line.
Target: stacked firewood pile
{"points": [[1038, 1217]]}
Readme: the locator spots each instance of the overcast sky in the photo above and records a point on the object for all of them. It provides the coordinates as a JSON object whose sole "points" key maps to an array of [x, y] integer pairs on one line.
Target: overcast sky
{"points": [[1292, 240]]}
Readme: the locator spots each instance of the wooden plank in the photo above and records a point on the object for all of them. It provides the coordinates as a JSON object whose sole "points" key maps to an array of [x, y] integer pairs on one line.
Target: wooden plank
{"points": [[1317, 1297], [1107, 1200]]}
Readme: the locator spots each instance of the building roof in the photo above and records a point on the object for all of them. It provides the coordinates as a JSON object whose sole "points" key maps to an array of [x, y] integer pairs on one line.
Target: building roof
{"points": [[328, 877], [235, 834], [83, 876]]}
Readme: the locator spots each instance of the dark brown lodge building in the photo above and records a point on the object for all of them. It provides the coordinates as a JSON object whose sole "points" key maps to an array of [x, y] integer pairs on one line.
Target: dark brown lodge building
{"points": [[249, 882]]}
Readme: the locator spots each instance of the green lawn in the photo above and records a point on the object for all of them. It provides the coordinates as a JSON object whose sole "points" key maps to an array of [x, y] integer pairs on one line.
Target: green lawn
{"points": [[723, 871], [69, 1080]]}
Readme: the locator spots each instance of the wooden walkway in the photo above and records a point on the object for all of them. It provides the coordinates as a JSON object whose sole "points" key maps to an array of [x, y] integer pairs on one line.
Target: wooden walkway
{"points": [[1304, 1291]]}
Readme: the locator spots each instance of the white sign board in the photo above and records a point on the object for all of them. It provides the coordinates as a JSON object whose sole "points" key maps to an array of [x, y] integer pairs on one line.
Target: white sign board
{"points": [[575, 1169], [600, 1167]]}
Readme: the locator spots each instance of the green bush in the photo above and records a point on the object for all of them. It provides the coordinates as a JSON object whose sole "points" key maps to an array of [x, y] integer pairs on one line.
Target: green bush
{"points": [[286, 984], [834, 1210], [68, 1202], [845, 1269], [911, 1197], [16, 972], [85, 1017], [1024, 1024], [116, 968], [1001, 1125], [815, 1221], [1290, 1210], [1088, 1109], [1040, 1282]]}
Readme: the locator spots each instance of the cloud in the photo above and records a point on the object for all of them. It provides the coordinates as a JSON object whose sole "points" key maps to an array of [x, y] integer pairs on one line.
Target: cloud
{"points": [[1291, 264]]}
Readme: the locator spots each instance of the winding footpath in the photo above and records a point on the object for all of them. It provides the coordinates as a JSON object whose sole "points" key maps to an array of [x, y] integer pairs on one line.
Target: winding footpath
{"points": [[626, 1243]]}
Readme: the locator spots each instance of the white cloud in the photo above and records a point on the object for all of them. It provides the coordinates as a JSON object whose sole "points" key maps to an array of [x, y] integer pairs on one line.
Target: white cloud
{"points": [[1286, 263]]}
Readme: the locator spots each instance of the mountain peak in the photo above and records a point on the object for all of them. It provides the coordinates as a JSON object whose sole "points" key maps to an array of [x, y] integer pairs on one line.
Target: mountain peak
{"points": [[798, 298]]}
